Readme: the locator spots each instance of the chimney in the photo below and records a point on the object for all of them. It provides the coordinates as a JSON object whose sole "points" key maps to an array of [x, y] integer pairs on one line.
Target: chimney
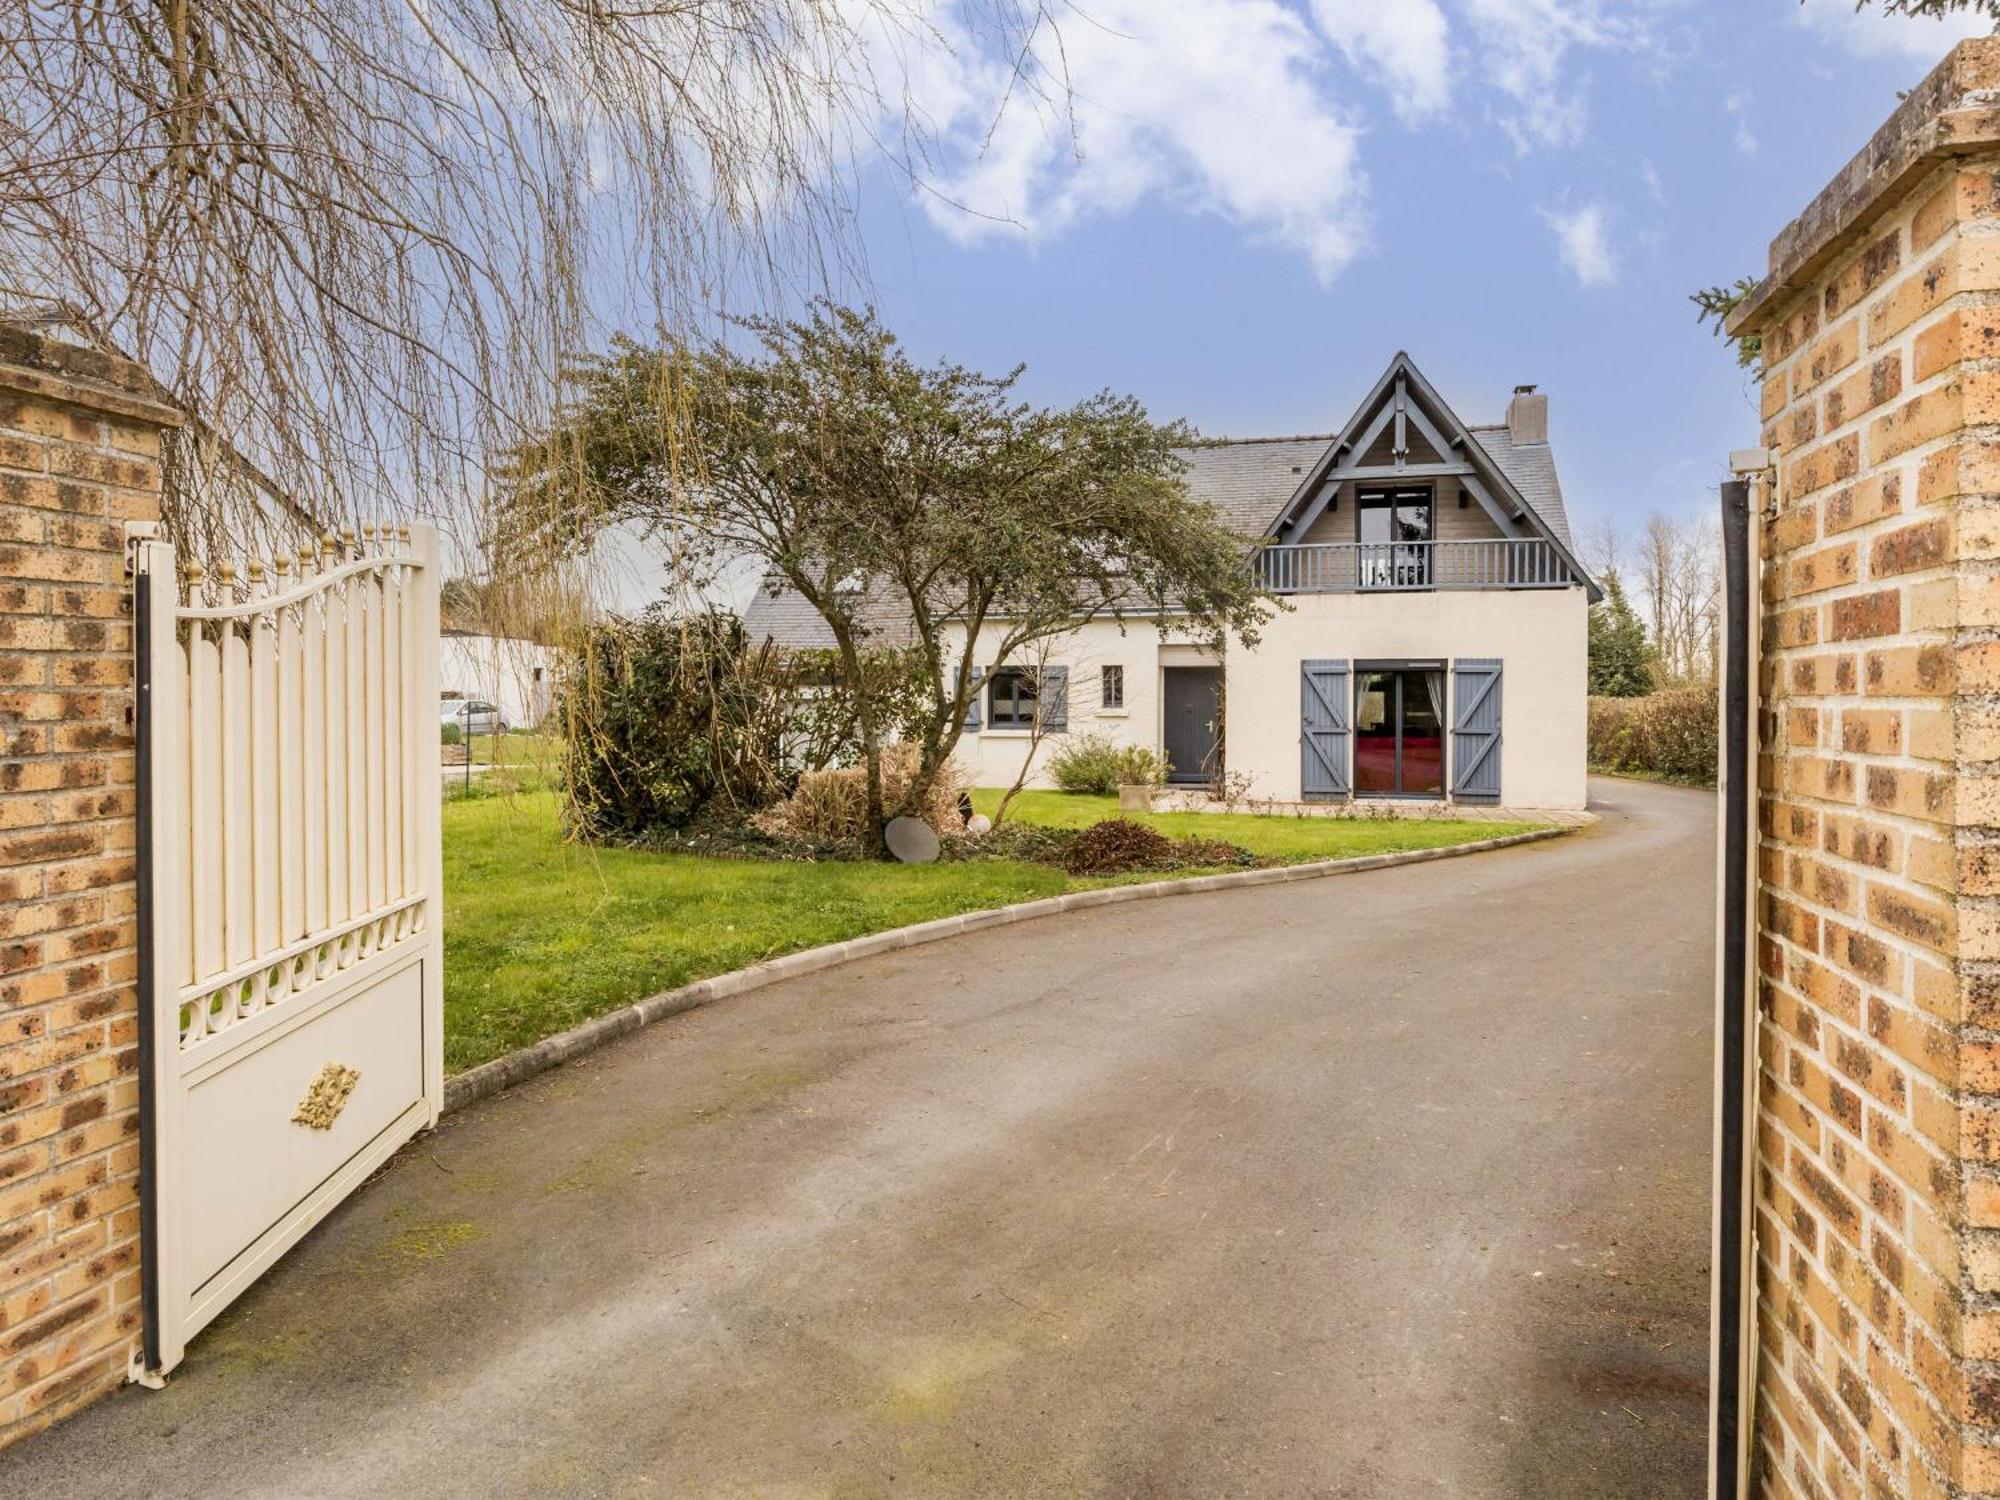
{"points": [[1527, 417]]}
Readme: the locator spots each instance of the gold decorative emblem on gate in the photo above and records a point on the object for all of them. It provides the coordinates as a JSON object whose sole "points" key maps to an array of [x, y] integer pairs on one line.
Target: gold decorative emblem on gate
{"points": [[327, 1097]]}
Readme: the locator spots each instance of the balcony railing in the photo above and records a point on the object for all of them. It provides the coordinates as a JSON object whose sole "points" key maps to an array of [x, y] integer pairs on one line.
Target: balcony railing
{"points": [[1411, 567]]}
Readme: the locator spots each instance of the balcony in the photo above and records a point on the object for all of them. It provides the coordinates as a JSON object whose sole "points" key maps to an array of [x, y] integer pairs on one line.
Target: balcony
{"points": [[1412, 567]]}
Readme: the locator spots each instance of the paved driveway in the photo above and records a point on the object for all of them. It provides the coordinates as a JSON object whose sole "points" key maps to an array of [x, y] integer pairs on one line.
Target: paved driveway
{"points": [[1391, 1185]]}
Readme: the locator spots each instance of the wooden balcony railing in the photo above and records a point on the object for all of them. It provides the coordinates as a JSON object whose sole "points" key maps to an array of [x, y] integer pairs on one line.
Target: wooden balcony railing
{"points": [[1411, 567]]}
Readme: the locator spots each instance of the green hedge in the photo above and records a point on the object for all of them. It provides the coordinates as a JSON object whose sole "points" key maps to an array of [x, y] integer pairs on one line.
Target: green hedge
{"points": [[1672, 735]]}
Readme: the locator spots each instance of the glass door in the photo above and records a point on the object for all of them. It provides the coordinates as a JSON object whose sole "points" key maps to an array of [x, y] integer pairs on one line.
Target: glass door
{"points": [[1423, 734], [1399, 733], [1394, 529]]}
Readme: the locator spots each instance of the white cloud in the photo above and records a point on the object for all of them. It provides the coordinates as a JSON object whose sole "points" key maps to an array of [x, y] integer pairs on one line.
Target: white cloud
{"points": [[1523, 46], [1583, 238], [1406, 42], [1738, 108], [1253, 111], [1871, 33], [1217, 105]]}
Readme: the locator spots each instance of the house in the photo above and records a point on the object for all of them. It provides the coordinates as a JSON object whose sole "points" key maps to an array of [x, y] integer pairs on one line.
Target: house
{"points": [[1431, 645]]}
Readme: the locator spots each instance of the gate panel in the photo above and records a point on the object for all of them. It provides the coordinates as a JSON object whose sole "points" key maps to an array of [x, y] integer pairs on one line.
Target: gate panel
{"points": [[291, 1019]]}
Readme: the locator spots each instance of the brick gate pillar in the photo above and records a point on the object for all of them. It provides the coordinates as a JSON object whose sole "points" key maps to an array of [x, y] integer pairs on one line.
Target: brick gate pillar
{"points": [[79, 457], [1878, 936]]}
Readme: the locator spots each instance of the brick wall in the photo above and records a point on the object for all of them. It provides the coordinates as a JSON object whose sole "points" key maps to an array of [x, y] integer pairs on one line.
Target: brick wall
{"points": [[79, 457], [1878, 944]]}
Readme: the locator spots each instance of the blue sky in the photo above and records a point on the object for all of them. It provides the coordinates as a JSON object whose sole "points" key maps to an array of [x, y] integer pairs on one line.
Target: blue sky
{"points": [[1259, 201]]}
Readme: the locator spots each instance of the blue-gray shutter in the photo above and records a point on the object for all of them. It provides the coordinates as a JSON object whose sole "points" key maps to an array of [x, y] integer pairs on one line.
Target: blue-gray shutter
{"points": [[978, 693], [1055, 699], [1325, 720], [1475, 730]]}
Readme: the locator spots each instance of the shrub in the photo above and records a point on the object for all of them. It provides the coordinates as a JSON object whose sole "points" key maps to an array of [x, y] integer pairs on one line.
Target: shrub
{"points": [[831, 807], [1672, 734], [1096, 763], [450, 734], [668, 721]]}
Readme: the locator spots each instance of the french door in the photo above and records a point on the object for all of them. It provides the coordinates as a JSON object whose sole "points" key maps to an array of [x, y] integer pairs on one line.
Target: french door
{"points": [[1399, 730], [1395, 528]]}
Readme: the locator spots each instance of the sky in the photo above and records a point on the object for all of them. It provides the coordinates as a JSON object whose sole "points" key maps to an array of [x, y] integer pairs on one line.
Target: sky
{"points": [[1253, 204]]}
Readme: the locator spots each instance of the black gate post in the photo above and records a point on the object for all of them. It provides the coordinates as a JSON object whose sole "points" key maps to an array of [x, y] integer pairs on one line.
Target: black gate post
{"points": [[143, 583], [1731, 1324]]}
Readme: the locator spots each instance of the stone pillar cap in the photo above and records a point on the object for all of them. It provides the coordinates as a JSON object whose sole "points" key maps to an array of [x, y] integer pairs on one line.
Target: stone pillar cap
{"points": [[1953, 112], [33, 364]]}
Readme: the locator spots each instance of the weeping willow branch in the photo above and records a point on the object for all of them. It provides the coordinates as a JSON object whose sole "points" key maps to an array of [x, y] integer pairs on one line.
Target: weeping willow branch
{"points": [[357, 241]]}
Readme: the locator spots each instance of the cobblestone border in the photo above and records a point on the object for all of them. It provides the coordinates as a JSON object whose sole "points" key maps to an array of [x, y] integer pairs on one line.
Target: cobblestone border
{"points": [[516, 1067]]}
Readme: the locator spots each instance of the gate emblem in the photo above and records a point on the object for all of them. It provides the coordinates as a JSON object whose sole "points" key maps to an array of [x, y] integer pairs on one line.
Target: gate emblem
{"points": [[327, 1097]]}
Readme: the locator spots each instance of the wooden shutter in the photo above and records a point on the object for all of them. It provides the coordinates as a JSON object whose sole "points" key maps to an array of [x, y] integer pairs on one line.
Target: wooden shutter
{"points": [[1475, 730], [978, 697], [1055, 699], [1325, 719]]}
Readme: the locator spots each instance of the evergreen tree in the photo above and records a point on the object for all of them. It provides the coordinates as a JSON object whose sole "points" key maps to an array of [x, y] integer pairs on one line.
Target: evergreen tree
{"points": [[1621, 658]]}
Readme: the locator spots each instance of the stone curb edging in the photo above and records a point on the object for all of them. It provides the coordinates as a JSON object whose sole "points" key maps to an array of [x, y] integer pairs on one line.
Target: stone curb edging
{"points": [[492, 1077]]}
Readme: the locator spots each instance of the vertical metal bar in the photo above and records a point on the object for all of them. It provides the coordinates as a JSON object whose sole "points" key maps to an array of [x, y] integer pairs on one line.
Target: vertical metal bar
{"points": [[1732, 1324]]}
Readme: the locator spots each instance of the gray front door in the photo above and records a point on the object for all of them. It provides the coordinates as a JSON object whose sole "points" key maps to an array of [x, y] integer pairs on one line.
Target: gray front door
{"points": [[1192, 731]]}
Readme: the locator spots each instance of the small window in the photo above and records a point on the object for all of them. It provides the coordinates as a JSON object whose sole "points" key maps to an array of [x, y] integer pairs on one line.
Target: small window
{"points": [[1010, 699], [1113, 692]]}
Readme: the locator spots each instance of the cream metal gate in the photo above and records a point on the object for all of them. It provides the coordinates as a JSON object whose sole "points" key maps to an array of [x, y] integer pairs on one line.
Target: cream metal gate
{"points": [[291, 1025]]}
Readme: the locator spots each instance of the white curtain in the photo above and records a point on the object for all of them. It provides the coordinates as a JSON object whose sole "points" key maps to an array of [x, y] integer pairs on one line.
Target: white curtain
{"points": [[1434, 685]]}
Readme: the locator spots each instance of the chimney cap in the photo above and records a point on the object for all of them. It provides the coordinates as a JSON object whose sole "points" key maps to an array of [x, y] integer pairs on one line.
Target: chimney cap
{"points": [[1524, 390]]}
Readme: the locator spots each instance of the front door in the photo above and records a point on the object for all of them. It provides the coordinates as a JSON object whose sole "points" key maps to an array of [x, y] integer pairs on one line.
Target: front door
{"points": [[1399, 731], [1192, 727]]}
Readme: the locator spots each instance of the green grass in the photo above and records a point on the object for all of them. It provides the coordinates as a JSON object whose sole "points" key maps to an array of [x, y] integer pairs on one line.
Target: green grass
{"points": [[517, 747], [1278, 836], [541, 935]]}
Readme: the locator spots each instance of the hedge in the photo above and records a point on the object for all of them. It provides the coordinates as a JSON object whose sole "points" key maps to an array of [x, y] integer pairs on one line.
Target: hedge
{"points": [[1673, 735]]}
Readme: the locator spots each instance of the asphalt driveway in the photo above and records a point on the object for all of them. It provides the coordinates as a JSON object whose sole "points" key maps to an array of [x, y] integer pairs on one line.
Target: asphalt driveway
{"points": [[1387, 1185]]}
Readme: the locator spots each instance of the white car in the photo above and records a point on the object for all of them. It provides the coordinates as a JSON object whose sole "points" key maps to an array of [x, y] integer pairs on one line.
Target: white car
{"points": [[472, 716]]}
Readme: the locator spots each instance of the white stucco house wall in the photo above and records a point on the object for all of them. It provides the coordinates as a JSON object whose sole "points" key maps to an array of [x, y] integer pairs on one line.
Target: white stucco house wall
{"points": [[516, 675], [1430, 647]]}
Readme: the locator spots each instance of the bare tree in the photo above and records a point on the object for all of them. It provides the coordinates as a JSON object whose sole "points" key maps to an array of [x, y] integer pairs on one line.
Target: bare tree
{"points": [[358, 241], [1601, 544], [1679, 573]]}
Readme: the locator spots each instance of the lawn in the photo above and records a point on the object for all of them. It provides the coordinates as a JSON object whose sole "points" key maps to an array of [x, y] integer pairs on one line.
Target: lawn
{"points": [[541, 935]]}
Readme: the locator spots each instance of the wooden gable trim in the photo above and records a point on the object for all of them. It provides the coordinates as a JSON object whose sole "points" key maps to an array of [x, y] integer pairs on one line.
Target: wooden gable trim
{"points": [[1390, 401]]}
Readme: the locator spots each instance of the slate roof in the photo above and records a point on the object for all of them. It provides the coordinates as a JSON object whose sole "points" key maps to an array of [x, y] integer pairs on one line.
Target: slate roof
{"points": [[1248, 480], [1532, 469], [780, 613]]}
